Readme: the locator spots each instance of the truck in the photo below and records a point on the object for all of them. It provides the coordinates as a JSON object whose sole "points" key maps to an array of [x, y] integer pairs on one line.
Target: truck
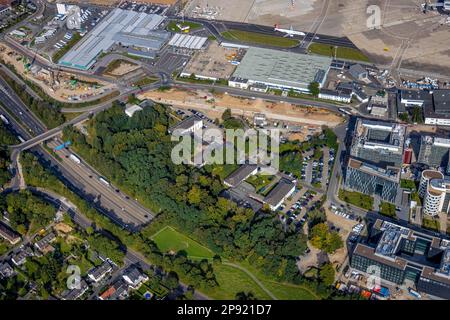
{"points": [[21, 139], [75, 159], [62, 146], [414, 293], [4, 119], [102, 180]]}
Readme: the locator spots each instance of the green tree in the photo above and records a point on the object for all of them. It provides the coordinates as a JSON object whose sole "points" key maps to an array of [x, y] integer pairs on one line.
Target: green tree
{"points": [[314, 88], [324, 239], [327, 274], [226, 114]]}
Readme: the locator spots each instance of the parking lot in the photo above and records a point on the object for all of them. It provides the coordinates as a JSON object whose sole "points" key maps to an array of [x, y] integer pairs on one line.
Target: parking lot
{"points": [[317, 166], [145, 7], [52, 33]]}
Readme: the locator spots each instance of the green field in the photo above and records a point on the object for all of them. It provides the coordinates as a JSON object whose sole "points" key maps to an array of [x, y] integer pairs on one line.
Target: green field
{"points": [[341, 52], [172, 26], [431, 224], [357, 199], [231, 279], [387, 209], [259, 38], [169, 239]]}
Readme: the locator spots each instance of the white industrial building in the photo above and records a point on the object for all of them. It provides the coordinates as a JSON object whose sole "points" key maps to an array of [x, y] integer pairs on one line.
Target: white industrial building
{"points": [[282, 70], [124, 27], [188, 42]]}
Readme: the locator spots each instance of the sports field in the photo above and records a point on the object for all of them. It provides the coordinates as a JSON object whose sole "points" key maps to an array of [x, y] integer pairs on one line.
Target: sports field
{"points": [[168, 239]]}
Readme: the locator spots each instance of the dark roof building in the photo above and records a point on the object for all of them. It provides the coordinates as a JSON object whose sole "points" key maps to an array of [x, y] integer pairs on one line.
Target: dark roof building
{"points": [[43, 244], [358, 72], [6, 271], [188, 125], [279, 194], [98, 273], [118, 291], [241, 174], [75, 294], [9, 234]]}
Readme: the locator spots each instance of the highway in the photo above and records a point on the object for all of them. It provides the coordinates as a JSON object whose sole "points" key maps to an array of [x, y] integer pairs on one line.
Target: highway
{"points": [[83, 179], [109, 197], [18, 109]]}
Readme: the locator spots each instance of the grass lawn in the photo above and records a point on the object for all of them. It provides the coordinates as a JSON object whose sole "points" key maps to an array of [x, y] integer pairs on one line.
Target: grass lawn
{"points": [[259, 38], [387, 209], [342, 53], [145, 81], [283, 291], [223, 171], [169, 239], [431, 224], [358, 199], [231, 281], [408, 184], [260, 181], [172, 26]]}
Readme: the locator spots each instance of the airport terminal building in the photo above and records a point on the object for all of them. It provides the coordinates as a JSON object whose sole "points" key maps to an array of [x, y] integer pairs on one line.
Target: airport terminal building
{"points": [[124, 27], [281, 70]]}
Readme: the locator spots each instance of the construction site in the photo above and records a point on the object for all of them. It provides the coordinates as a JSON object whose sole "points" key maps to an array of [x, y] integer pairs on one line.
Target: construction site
{"points": [[60, 85], [214, 104], [217, 62]]}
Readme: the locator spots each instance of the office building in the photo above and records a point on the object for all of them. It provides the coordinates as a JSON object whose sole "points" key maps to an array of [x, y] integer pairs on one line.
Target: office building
{"points": [[434, 152], [378, 142], [372, 180], [400, 254]]}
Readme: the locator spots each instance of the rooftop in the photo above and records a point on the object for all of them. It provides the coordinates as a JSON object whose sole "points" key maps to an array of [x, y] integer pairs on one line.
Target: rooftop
{"points": [[280, 191], [129, 28], [282, 69], [7, 233], [242, 173], [186, 124], [390, 173]]}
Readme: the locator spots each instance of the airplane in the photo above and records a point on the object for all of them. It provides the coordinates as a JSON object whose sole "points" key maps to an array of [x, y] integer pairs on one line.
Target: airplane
{"points": [[289, 32]]}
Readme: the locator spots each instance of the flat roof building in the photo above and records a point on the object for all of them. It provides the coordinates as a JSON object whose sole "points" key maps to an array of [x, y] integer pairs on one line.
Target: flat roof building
{"points": [[283, 70], [402, 254], [434, 151], [124, 27], [372, 180], [378, 142]]}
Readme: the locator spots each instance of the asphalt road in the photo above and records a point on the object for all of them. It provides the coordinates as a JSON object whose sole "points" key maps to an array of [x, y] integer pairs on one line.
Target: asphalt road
{"points": [[120, 207], [18, 109], [125, 211], [215, 26]]}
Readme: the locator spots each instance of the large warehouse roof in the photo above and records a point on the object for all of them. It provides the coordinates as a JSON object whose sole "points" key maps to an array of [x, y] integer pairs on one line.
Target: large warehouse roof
{"points": [[282, 69], [127, 27]]}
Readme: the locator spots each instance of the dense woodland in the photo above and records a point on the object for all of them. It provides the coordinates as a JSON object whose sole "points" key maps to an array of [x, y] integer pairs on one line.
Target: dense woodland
{"points": [[135, 154], [6, 139]]}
